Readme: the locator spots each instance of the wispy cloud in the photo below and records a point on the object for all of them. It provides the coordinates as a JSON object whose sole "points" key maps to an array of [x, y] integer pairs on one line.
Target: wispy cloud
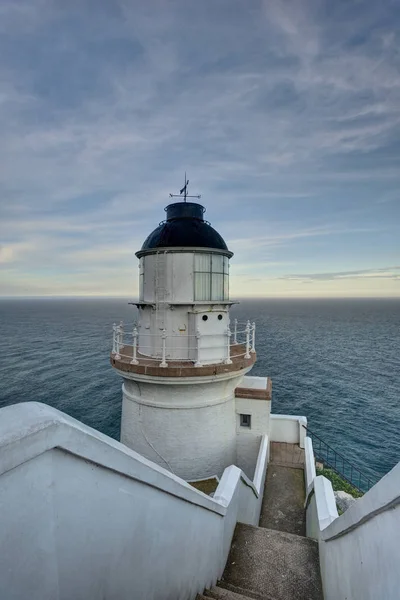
{"points": [[285, 114], [392, 273]]}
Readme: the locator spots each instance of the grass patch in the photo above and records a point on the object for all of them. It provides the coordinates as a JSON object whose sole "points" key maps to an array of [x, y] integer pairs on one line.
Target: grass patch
{"points": [[338, 483], [207, 486]]}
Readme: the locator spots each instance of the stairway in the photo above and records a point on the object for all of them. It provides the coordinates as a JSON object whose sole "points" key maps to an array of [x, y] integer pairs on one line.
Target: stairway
{"points": [[274, 561]]}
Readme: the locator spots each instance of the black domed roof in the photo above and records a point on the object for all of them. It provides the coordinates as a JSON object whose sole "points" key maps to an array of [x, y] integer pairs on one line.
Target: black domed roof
{"points": [[184, 227]]}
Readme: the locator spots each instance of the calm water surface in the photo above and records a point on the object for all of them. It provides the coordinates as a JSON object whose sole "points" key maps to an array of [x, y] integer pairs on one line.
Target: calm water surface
{"points": [[335, 361]]}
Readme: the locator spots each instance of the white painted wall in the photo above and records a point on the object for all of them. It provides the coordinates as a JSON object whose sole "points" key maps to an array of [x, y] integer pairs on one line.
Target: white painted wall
{"points": [[213, 341], [175, 273], [187, 427], [309, 464], [193, 428], [123, 529], [321, 508], [28, 539], [181, 277], [248, 439], [82, 516], [360, 550], [288, 428]]}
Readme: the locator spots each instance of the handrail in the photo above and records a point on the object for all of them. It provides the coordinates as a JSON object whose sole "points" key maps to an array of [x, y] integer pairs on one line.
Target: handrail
{"points": [[332, 459], [162, 345]]}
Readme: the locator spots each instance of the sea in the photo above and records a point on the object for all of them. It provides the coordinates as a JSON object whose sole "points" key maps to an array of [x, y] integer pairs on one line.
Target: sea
{"points": [[335, 361]]}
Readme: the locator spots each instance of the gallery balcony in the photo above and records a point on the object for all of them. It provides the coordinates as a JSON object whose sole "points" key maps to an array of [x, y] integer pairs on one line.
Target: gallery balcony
{"points": [[174, 355]]}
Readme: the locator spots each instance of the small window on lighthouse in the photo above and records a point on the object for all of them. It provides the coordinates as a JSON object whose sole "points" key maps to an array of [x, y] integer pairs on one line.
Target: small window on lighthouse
{"points": [[245, 420]]}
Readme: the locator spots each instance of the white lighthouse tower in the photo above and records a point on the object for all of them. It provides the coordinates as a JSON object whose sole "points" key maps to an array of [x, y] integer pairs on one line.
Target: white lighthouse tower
{"points": [[183, 361]]}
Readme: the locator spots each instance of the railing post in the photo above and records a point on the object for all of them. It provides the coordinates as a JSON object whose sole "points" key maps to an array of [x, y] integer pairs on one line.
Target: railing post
{"points": [[198, 336], [163, 362], [114, 349], [121, 330], [302, 431], [134, 360], [253, 338], [247, 355], [235, 331], [228, 336], [117, 336]]}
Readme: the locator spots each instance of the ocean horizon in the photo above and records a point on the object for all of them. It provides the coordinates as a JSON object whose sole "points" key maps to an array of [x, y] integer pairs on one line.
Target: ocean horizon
{"points": [[334, 360]]}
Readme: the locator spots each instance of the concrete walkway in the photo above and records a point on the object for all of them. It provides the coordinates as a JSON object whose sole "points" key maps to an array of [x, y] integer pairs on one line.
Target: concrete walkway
{"points": [[274, 561], [284, 492], [273, 564]]}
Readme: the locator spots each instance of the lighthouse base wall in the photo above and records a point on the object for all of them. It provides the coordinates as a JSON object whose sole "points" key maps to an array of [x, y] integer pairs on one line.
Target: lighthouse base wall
{"points": [[188, 428]]}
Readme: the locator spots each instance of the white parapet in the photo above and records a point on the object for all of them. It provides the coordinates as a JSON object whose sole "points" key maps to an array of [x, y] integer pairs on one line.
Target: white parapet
{"points": [[83, 516], [309, 464], [291, 429], [360, 551]]}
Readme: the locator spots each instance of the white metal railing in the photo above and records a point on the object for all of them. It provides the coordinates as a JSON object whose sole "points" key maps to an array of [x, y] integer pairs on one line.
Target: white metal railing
{"points": [[130, 343]]}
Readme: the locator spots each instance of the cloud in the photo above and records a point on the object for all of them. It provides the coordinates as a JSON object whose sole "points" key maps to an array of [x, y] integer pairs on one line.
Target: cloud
{"points": [[291, 135], [392, 273], [6, 254]]}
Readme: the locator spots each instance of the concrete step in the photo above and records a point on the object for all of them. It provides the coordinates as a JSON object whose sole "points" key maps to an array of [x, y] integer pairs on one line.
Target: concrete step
{"points": [[287, 464], [226, 591], [219, 593], [245, 592], [274, 564], [224, 595]]}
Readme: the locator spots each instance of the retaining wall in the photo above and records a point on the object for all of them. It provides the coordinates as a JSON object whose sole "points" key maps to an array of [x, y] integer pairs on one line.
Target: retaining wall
{"points": [[83, 516]]}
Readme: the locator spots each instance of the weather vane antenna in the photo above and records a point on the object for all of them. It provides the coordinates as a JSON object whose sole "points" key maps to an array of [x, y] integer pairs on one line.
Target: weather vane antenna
{"points": [[184, 192]]}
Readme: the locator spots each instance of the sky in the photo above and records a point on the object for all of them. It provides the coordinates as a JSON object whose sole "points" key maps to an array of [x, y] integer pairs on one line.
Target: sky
{"points": [[285, 115]]}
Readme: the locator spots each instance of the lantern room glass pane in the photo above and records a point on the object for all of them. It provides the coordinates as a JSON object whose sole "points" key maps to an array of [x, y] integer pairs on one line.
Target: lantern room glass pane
{"points": [[226, 264], [217, 286], [202, 262], [226, 287], [217, 263], [211, 277], [202, 286]]}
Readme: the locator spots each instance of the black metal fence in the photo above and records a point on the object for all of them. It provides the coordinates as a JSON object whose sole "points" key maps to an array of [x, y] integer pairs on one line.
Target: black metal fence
{"points": [[338, 463]]}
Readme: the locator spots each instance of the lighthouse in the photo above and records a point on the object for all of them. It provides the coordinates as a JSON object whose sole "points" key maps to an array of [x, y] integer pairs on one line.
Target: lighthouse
{"points": [[183, 360]]}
